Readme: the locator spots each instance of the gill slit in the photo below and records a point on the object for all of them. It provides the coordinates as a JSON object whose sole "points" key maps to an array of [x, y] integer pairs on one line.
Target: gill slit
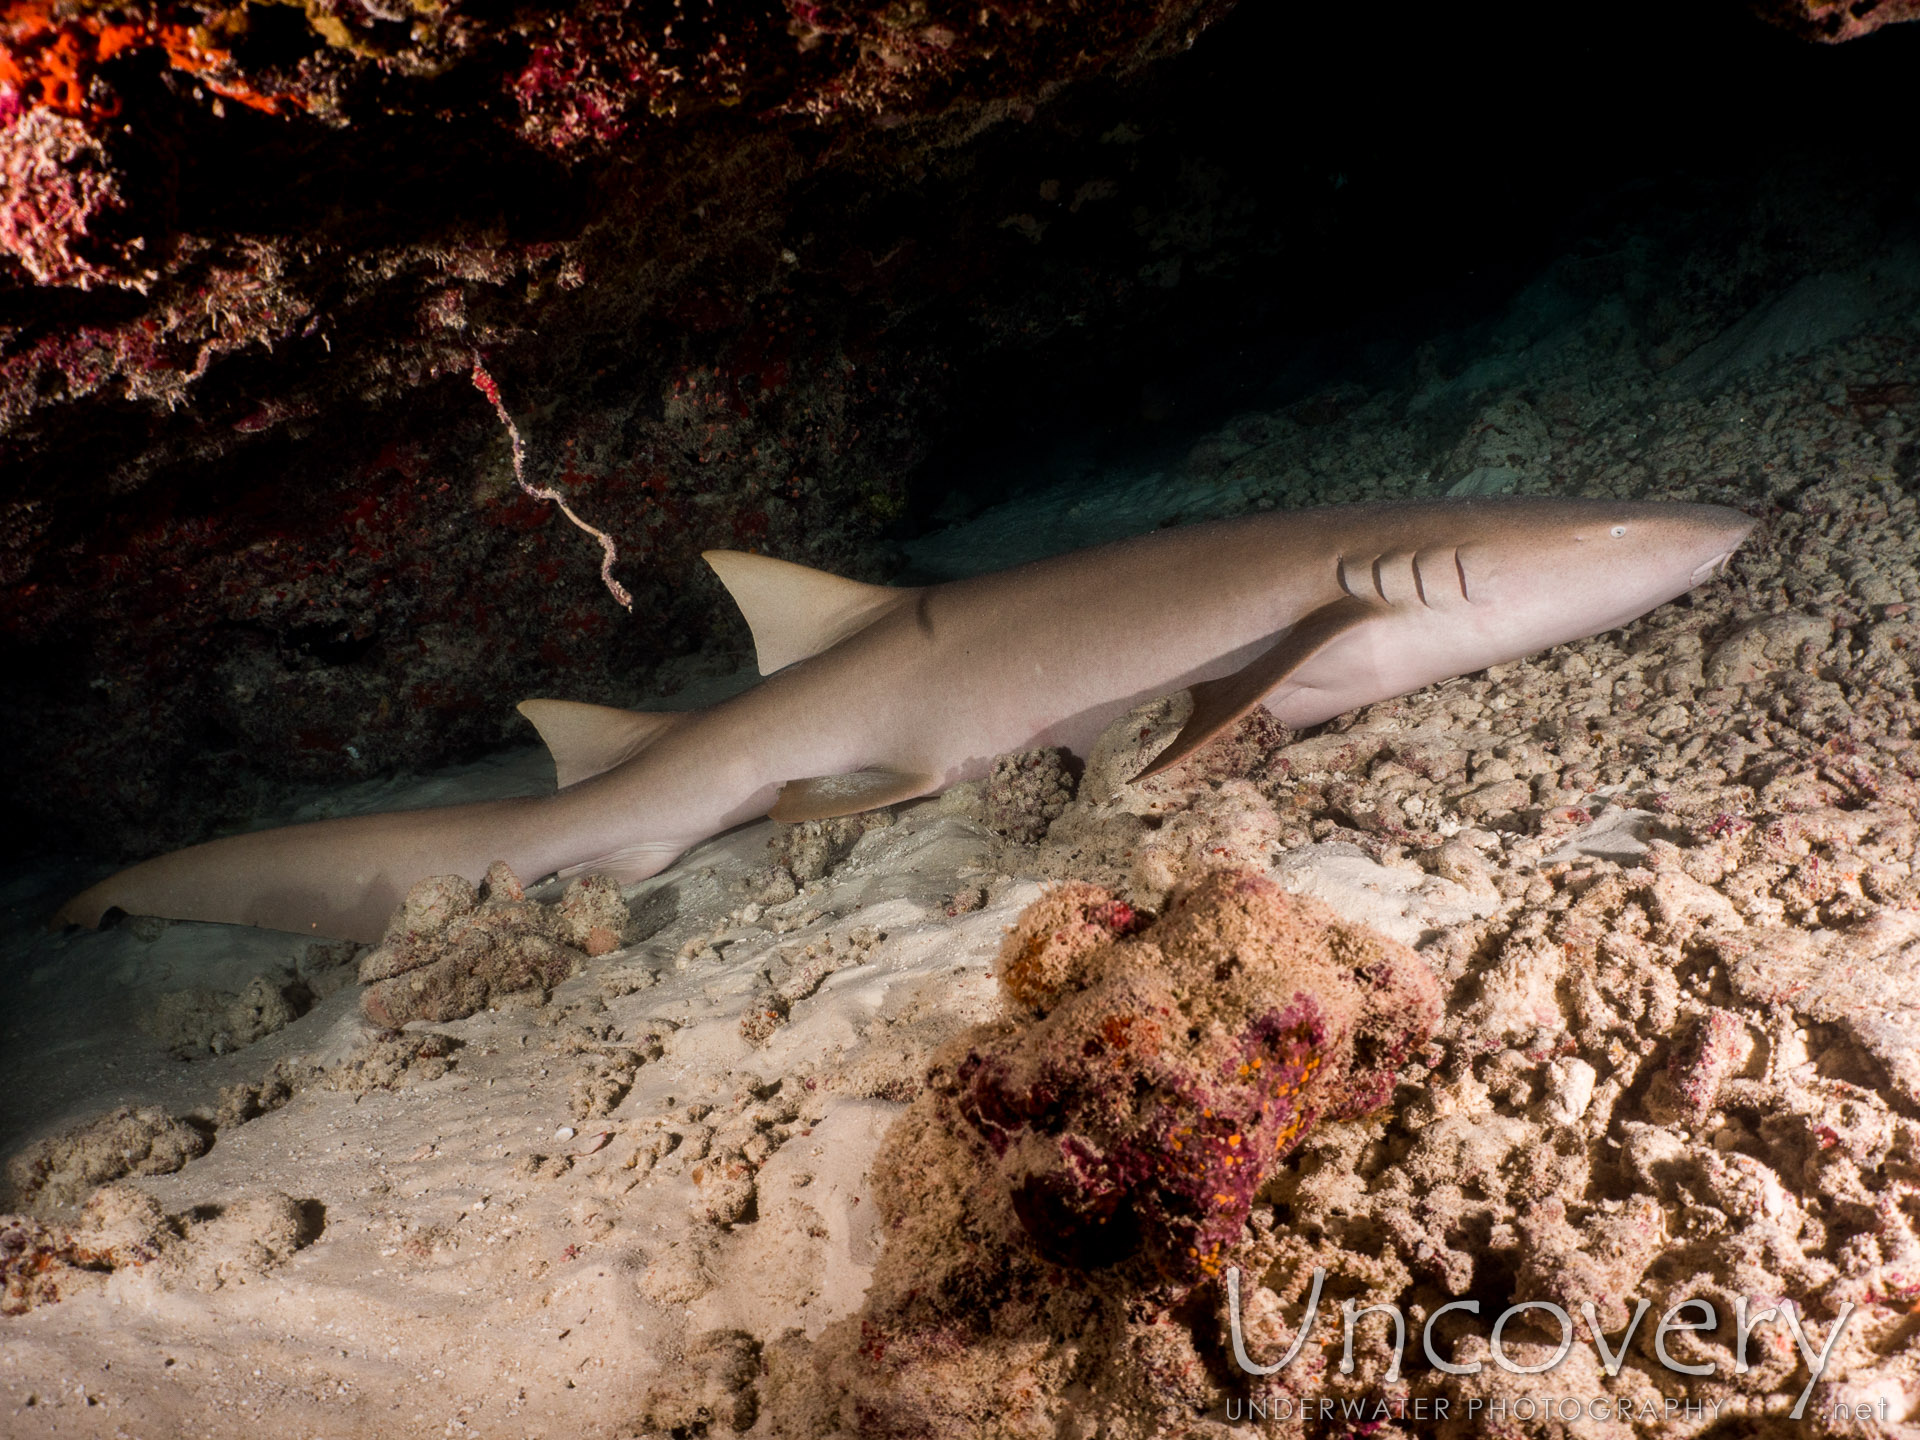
{"points": [[1419, 581], [1379, 586], [1461, 570]]}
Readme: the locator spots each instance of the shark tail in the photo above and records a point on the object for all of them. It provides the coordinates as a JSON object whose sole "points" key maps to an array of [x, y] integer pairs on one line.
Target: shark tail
{"points": [[343, 878], [339, 879]]}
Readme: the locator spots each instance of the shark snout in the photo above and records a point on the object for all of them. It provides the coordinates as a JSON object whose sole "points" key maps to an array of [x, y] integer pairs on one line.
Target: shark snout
{"points": [[1728, 529]]}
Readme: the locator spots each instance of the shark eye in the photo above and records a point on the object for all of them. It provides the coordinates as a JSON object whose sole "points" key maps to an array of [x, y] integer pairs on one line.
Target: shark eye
{"points": [[1618, 531]]}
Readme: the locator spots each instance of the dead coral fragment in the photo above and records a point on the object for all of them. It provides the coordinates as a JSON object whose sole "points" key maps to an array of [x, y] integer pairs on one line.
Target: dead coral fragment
{"points": [[1027, 792], [1172, 1067], [43, 1263], [197, 1021], [712, 1387], [810, 850], [64, 1169], [241, 1241], [390, 1058], [448, 953], [206, 1248], [1697, 1068]]}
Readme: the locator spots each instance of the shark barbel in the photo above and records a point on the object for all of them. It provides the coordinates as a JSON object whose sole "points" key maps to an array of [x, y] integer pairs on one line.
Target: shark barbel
{"points": [[876, 694]]}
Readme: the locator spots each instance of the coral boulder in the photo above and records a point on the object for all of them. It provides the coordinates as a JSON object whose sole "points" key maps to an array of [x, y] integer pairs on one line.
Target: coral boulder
{"points": [[1077, 1174], [1140, 1102]]}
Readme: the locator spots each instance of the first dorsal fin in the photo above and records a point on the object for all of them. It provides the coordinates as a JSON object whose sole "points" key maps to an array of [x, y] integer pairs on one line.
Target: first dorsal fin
{"points": [[1218, 703], [586, 740], [795, 612]]}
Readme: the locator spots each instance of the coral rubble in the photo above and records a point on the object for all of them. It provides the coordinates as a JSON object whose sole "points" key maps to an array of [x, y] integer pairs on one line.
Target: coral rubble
{"points": [[42, 1262]]}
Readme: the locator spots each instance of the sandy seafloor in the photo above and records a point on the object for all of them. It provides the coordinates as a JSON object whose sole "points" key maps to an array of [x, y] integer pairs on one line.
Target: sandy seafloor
{"points": [[1665, 878]]}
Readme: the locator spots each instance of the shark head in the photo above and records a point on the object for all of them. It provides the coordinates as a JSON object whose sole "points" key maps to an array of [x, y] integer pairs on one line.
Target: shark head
{"points": [[1436, 589], [1553, 571]]}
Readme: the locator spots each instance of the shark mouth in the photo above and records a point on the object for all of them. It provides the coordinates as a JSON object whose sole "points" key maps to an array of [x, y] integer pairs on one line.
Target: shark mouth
{"points": [[1712, 568]]}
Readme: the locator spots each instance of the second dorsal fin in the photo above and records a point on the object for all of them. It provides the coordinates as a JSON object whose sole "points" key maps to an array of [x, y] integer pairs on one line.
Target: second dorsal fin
{"points": [[586, 740], [793, 611]]}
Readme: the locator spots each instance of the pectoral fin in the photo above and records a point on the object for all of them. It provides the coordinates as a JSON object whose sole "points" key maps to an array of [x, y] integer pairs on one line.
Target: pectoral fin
{"points": [[1219, 703], [824, 796], [585, 740]]}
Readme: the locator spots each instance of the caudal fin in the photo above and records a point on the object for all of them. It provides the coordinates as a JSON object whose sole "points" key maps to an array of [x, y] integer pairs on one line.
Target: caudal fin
{"points": [[340, 878]]}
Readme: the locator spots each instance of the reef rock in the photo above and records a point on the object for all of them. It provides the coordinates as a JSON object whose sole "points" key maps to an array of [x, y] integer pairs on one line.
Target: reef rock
{"points": [[1158, 1073], [449, 952], [1073, 1170], [250, 258]]}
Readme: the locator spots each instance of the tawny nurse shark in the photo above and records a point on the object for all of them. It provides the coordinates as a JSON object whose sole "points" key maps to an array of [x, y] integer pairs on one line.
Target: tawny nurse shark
{"points": [[877, 694]]}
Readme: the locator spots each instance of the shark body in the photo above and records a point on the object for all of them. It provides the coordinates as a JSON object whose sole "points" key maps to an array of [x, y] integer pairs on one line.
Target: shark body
{"points": [[877, 694]]}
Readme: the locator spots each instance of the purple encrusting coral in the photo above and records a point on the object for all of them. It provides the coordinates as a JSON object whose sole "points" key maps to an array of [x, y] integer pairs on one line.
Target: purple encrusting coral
{"points": [[1163, 1070]]}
